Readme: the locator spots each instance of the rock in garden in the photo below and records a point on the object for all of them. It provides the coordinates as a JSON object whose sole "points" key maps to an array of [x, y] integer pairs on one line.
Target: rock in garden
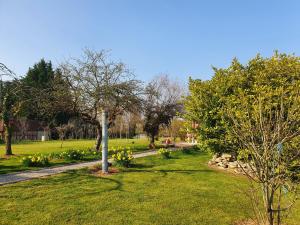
{"points": [[212, 162], [226, 156], [215, 157], [217, 160], [221, 164], [232, 165]]}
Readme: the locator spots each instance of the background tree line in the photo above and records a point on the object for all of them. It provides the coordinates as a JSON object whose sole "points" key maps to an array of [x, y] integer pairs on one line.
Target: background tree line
{"points": [[68, 100]]}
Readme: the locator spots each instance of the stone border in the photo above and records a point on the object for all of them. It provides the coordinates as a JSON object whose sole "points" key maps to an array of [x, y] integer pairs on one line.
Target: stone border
{"points": [[228, 163]]}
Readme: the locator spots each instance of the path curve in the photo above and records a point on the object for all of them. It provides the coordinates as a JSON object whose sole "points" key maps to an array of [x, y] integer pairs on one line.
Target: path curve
{"points": [[28, 175]]}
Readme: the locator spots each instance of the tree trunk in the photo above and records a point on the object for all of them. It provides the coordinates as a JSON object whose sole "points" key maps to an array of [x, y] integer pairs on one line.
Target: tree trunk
{"points": [[270, 216], [269, 203], [152, 139], [8, 136], [99, 138], [152, 142], [278, 208], [61, 144], [105, 142]]}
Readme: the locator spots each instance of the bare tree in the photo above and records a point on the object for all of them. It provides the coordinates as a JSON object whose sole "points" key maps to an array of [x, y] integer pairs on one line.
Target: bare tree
{"points": [[62, 131], [267, 128], [23, 125], [16, 94], [9, 107], [126, 125], [100, 85], [161, 104]]}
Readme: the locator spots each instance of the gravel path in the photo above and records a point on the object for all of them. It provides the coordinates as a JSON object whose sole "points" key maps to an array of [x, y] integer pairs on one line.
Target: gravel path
{"points": [[27, 175]]}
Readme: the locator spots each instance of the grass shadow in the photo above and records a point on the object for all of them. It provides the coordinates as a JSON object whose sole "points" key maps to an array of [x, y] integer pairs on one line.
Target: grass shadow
{"points": [[72, 177], [171, 171], [140, 166]]}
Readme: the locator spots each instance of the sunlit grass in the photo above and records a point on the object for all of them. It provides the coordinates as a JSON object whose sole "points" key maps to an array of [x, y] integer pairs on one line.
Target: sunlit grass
{"points": [[180, 190]]}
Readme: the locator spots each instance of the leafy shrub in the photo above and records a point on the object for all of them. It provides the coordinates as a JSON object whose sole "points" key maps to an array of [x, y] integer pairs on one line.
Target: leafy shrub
{"points": [[122, 156], [166, 154], [74, 154], [54, 155], [208, 102], [35, 160], [294, 171]]}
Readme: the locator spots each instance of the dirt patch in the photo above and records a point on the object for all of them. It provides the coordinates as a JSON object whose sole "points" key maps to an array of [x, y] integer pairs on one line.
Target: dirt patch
{"points": [[111, 171], [97, 171]]}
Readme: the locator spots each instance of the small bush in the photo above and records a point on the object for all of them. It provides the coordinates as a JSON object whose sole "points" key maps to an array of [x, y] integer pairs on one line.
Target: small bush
{"points": [[166, 154], [54, 155], [74, 154], [35, 160], [122, 156]]}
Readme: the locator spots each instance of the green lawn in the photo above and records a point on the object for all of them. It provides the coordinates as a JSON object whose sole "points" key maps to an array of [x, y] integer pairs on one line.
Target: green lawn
{"points": [[181, 190], [28, 148]]}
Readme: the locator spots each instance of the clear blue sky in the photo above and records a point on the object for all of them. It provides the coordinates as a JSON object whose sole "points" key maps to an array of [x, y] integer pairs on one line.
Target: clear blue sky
{"points": [[182, 38]]}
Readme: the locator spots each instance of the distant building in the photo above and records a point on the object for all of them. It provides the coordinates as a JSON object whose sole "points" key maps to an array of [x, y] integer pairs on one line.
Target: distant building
{"points": [[26, 130]]}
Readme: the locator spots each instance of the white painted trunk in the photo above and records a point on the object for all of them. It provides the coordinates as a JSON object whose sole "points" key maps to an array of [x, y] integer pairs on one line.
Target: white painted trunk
{"points": [[104, 142]]}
